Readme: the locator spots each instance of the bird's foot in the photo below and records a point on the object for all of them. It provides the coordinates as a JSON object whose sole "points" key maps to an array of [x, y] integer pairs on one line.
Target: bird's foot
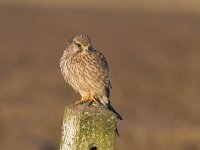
{"points": [[91, 99], [81, 101]]}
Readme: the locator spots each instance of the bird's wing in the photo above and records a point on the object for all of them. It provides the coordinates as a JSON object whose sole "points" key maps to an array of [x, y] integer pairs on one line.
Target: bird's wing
{"points": [[105, 68]]}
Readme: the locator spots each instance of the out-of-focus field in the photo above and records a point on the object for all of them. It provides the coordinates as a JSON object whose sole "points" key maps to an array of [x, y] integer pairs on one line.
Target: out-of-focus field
{"points": [[155, 64], [192, 6]]}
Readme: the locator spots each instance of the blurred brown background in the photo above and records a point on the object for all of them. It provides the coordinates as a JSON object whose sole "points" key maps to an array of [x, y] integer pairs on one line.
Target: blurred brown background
{"points": [[153, 48]]}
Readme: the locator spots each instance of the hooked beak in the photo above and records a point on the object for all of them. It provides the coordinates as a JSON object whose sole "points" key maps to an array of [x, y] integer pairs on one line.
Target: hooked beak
{"points": [[87, 47]]}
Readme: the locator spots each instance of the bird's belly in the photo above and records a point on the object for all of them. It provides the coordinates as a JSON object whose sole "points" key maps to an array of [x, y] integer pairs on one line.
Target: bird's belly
{"points": [[86, 84]]}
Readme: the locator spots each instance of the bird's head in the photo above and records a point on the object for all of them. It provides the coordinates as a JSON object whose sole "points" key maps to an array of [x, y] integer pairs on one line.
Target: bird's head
{"points": [[81, 42]]}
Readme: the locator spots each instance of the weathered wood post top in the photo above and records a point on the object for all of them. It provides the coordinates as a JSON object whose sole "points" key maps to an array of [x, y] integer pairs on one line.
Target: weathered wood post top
{"points": [[88, 127]]}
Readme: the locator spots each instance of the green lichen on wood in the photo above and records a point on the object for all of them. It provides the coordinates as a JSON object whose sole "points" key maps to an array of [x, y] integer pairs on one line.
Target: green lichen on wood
{"points": [[86, 126]]}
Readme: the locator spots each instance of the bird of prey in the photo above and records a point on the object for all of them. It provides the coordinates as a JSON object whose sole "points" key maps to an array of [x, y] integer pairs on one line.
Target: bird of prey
{"points": [[86, 70]]}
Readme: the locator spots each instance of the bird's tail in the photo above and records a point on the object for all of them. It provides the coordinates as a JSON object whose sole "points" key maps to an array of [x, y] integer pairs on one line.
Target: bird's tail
{"points": [[105, 101], [110, 107]]}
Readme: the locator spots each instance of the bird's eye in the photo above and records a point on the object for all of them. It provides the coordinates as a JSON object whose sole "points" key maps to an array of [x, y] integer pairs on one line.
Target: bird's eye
{"points": [[79, 45]]}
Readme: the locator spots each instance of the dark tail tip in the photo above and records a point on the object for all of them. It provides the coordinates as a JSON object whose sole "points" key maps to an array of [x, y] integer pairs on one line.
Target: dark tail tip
{"points": [[119, 117], [109, 106]]}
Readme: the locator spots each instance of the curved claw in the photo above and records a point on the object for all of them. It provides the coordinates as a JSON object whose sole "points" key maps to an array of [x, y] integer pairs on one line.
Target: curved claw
{"points": [[81, 101], [91, 99]]}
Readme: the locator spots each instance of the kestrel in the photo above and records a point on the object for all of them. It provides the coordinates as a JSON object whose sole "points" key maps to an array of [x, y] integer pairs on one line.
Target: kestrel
{"points": [[86, 71]]}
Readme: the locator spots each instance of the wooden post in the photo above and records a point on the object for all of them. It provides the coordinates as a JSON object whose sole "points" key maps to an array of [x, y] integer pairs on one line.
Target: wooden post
{"points": [[90, 127]]}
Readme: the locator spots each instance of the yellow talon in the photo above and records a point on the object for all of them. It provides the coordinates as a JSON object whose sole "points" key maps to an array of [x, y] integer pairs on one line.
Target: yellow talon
{"points": [[84, 100], [81, 101], [92, 99]]}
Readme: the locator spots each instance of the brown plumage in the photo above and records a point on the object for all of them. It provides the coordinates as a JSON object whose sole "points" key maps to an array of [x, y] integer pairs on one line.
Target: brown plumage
{"points": [[86, 71]]}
